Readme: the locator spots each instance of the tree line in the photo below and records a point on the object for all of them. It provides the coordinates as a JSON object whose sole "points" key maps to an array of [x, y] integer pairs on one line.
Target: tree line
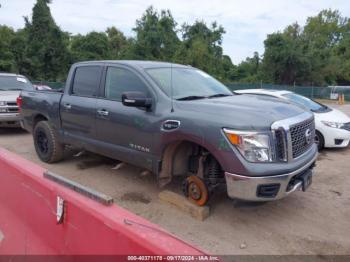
{"points": [[317, 53]]}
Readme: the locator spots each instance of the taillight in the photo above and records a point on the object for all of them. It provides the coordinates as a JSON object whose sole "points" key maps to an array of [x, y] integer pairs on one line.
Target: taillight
{"points": [[19, 103]]}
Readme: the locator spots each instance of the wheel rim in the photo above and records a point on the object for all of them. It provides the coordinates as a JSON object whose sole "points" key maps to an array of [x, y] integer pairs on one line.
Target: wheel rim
{"points": [[42, 142]]}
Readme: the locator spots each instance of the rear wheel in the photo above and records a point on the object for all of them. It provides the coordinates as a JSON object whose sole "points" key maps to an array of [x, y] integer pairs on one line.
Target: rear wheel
{"points": [[46, 143], [319, 140]]}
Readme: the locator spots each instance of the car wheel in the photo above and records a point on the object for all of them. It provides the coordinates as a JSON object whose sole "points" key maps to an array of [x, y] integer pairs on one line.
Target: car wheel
{"points": [[47, 145], [319, 140]]}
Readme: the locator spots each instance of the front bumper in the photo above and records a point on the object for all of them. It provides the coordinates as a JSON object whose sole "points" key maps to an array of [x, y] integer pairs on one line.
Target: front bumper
{"points": [[247, 188], [332, 135]]}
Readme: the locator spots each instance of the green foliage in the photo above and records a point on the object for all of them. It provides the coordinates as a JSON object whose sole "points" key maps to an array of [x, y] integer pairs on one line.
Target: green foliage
{"points": [[7, 60], [46, 50], [156, 37], [93, 46], [316, 54], [201, 48]]}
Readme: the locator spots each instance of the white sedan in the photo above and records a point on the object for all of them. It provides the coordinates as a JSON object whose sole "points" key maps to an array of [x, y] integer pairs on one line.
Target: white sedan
{"points": [[332, 125]]}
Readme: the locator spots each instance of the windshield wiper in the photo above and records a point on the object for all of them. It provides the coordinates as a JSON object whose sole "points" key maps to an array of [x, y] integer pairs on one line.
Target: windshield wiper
{"points": [[218, 95], [191, 98]]}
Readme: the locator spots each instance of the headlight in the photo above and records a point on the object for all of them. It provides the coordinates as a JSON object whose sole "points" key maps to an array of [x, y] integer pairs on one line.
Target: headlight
{"points": [[2, 103], [254, 146], [333, 124]]}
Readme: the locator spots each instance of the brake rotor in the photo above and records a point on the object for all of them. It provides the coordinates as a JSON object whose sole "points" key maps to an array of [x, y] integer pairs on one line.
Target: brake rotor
{"points": [[196, 190]]}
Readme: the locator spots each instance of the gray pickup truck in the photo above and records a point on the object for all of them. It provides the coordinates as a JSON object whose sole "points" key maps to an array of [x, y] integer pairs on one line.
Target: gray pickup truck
{"points": [[10, 88], [176, 120]]}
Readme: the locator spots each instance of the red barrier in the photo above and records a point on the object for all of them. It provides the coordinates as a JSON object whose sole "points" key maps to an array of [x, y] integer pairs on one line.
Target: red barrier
{"points": [[28, 219]]}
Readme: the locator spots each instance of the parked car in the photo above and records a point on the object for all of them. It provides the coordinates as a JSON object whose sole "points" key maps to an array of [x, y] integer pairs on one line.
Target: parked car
{"points": [[10, 88], [332, 125], [176, 120], [41, 87]]}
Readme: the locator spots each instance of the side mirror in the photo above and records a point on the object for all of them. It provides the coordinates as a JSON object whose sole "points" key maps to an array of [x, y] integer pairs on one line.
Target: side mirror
{"points": [[136, 99]]}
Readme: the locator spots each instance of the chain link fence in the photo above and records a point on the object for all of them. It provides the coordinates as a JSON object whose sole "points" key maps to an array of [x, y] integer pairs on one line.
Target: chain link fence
{"points": [[313, 92]]}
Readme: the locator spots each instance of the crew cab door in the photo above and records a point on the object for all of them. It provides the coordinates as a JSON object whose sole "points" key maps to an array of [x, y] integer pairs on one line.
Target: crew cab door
{"points": [[125, 133], [78, 106]]}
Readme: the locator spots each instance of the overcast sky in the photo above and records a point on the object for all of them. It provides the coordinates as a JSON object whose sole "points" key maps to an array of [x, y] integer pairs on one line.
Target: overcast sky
{"points": [[247, 22]]}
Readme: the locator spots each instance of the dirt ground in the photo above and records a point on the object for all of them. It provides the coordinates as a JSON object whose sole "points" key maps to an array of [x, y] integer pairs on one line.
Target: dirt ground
{"points": [[314, 222]]}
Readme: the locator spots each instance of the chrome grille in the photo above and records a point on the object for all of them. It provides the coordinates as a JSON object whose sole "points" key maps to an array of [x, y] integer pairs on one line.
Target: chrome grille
{"points": [[280, 145], [10, 107], [298, 137]]}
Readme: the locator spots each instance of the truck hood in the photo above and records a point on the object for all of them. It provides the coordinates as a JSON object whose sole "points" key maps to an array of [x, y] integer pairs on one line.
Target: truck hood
{"points": [[9, 96], [242, 111]]}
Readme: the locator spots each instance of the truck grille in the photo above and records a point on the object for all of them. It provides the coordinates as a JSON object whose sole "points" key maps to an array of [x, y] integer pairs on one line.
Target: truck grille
{"points": [[280, 145], [10, 107], [302, 136]]}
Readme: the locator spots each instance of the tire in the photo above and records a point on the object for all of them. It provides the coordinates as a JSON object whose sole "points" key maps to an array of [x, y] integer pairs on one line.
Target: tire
{"points": [[319, 140], [47, 145]]}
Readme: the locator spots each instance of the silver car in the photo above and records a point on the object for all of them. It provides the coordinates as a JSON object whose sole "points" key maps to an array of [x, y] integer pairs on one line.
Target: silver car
{"points": [[10, 87]]}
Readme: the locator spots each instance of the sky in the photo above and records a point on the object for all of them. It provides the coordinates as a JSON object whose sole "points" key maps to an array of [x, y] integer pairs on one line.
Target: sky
{"points": [[246, 22]]}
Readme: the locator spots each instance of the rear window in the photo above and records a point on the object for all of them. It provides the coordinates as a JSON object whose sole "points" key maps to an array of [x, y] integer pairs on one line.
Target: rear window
{"points": [[86, 81], [8, 83]]}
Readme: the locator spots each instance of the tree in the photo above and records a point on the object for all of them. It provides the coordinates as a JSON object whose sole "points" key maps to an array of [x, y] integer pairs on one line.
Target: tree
{"points": [[249, 70], [284, 59], [7, 60], [117, 42], [93, 46], [46, 49], [156, 37], [323, 34], [201, 47]]}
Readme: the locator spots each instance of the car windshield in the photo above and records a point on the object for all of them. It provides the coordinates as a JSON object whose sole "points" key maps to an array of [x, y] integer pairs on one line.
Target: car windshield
{"points": [[8, 83], [187, 83], [305, 102]]}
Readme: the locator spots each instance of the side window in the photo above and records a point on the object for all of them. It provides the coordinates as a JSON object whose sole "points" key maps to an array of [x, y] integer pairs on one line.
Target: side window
{"points": [[119, 80], [86, 80]]}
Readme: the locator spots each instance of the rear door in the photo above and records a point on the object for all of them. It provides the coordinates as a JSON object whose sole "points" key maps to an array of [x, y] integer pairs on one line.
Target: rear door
{"points": [[78, 106]]}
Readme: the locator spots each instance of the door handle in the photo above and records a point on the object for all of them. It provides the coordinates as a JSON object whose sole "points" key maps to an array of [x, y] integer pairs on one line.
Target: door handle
{"points": [[67, 106], [103, 112]]}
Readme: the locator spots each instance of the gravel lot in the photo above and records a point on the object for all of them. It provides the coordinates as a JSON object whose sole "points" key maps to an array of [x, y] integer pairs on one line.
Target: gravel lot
{"points": [[315, 222]]}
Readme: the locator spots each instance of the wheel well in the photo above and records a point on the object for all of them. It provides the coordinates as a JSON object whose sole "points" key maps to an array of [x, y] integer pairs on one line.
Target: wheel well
{"points": [[181, 158], [38, 118]]}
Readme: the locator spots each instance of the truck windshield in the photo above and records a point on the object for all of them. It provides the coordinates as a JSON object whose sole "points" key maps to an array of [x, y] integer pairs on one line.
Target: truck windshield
{"points": [[187, 83], [305, 102], [8, 83]]}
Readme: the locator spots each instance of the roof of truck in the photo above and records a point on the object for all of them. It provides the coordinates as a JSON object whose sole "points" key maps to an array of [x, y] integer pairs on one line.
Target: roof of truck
{"points": [[138, 63]]}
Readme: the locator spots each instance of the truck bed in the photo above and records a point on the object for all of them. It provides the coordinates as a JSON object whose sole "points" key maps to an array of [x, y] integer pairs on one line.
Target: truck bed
{"points": [[36, 104]]}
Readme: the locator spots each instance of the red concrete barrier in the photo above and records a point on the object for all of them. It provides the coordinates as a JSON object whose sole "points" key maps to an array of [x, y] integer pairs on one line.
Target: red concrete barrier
{"points": [[28, 225]]}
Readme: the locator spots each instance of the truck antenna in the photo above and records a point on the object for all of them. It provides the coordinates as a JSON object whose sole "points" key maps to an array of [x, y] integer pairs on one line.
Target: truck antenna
{"points": [[171, 87]]}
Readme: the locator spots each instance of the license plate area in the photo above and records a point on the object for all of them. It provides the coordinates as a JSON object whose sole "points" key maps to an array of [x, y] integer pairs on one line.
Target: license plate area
{"points": [[305, 178]]}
